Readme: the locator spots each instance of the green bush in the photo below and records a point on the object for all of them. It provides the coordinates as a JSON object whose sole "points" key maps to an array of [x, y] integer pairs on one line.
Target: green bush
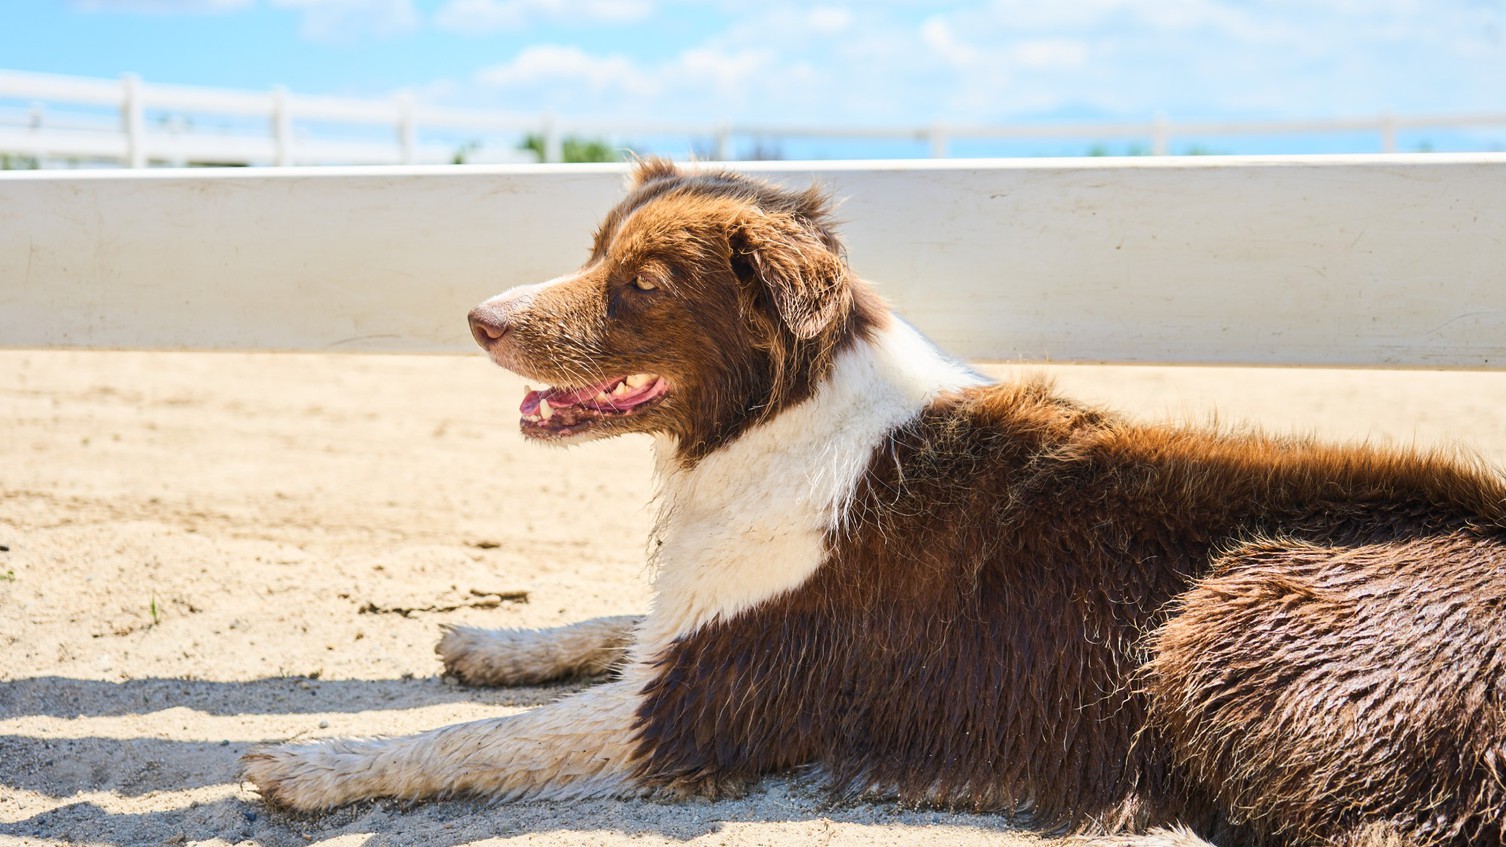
{"points": [[575, 149]]}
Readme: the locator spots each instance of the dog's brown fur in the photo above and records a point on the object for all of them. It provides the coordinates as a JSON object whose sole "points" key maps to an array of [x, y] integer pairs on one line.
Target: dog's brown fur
{"points": [[751, 300], [1025, 604], [977, 634], [1315, 686]]}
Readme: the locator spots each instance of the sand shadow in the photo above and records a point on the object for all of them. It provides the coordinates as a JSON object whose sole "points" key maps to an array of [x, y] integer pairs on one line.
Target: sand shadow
{"points": [[130, 767], [454, 823], [65, 697], [148, 770], [142, 763]]}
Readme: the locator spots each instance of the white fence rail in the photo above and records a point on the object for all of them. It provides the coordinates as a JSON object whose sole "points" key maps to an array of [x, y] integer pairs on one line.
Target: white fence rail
{"points": [[281, 137], [132, 141], [1357, 260]]}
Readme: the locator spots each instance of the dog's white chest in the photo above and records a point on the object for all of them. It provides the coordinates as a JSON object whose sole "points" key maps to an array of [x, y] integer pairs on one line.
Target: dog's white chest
{"points": [[751, 521]]}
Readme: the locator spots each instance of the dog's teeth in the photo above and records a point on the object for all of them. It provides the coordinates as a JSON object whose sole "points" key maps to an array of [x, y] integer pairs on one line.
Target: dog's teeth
{"points": [[620, 389], [545, 412], [601, 397], [637, 380], [527, 389]]}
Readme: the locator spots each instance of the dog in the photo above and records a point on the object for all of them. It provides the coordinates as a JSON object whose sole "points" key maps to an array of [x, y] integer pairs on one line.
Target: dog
{"points": [[871, 561]]}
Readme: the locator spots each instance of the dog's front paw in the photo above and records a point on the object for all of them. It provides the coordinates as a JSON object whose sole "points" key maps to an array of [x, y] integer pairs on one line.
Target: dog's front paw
{"points": [[304, 778]]}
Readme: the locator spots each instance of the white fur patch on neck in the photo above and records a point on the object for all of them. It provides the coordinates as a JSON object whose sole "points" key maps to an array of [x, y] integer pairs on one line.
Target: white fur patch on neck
{"points": [[749, 521]]}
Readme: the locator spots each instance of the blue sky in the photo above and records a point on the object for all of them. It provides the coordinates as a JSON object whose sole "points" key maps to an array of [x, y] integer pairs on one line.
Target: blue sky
{"points": [[885, 62]]}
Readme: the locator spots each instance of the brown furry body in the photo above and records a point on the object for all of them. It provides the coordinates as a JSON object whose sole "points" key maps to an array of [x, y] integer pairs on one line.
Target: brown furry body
{"points": [[1002, 567]]}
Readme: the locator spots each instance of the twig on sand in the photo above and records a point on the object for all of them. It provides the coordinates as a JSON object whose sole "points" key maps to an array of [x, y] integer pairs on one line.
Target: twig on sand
{"points": [[484, 600]]}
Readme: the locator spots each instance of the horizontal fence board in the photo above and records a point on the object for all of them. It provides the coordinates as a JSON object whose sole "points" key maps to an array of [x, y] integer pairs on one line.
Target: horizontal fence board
{"points": [[1357, 260], [197, 106]]}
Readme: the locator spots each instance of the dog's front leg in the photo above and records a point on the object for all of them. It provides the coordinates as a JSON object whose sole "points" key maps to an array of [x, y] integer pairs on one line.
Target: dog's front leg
{"points": [[576, 747], [530, 656]]}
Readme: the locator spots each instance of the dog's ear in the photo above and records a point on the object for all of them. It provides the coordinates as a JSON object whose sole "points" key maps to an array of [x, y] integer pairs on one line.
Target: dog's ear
{"points": [[798, 268], [650, 169]]}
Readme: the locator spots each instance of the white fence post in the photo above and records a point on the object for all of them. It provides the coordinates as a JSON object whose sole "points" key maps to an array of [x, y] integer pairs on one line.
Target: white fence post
{"points": [[282, 126], [133, 120], [1160, 135], [937, 135], [554, 146], [723, 142], [407, 128]]}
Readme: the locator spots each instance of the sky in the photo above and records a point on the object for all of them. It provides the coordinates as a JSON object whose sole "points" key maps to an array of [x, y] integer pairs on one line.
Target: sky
{"points": [[836, 62]]}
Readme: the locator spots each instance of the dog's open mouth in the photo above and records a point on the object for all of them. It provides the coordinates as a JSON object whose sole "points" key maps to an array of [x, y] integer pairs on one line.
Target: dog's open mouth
{"points": [[554, 412]]}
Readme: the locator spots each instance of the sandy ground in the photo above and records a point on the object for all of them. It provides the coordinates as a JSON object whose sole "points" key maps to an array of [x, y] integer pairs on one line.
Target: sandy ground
{"points": [[207, 551]]}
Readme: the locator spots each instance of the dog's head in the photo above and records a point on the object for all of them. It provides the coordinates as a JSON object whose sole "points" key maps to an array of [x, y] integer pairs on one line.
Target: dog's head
{"points": [[710, 302]]}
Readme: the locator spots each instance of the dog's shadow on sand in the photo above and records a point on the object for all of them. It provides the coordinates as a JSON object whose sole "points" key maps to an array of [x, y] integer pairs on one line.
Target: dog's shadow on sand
{"points": [[453, 823], [142, 769], [64, 697], [61, 737]]}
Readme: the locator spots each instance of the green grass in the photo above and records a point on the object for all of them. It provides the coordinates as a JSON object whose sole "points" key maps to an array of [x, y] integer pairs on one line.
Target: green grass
{"points": [[17, 162]]}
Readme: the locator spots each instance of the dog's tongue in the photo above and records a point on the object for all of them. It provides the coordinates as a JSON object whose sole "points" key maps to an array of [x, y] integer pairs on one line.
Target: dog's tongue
{"points": [[561, 398], [530, 405]]}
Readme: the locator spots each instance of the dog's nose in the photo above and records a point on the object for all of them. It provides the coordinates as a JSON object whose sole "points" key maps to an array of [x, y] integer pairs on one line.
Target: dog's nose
{"points": [[487, 327]]}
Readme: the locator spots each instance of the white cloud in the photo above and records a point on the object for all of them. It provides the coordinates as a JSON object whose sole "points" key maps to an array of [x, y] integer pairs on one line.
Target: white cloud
{"points": [[829, 20], [987, 61], [321, 20], [1042, 14], [703, 83], [937, 34], [1050, 53], [1214, 58], [554, 66], [161, 7], [726, 72], [482, 16], [347, 20]]}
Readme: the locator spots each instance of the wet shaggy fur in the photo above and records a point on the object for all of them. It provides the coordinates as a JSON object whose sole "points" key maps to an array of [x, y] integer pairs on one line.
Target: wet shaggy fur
{"points": [[978, 635], [1383, 658]]}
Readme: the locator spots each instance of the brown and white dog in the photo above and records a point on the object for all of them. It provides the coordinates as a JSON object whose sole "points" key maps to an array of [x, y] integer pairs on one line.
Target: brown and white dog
{"points": [[869, 560]]}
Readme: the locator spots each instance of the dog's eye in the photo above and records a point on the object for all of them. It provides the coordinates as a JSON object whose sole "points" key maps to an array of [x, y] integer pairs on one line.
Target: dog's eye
{"points": [[644, 282]]}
